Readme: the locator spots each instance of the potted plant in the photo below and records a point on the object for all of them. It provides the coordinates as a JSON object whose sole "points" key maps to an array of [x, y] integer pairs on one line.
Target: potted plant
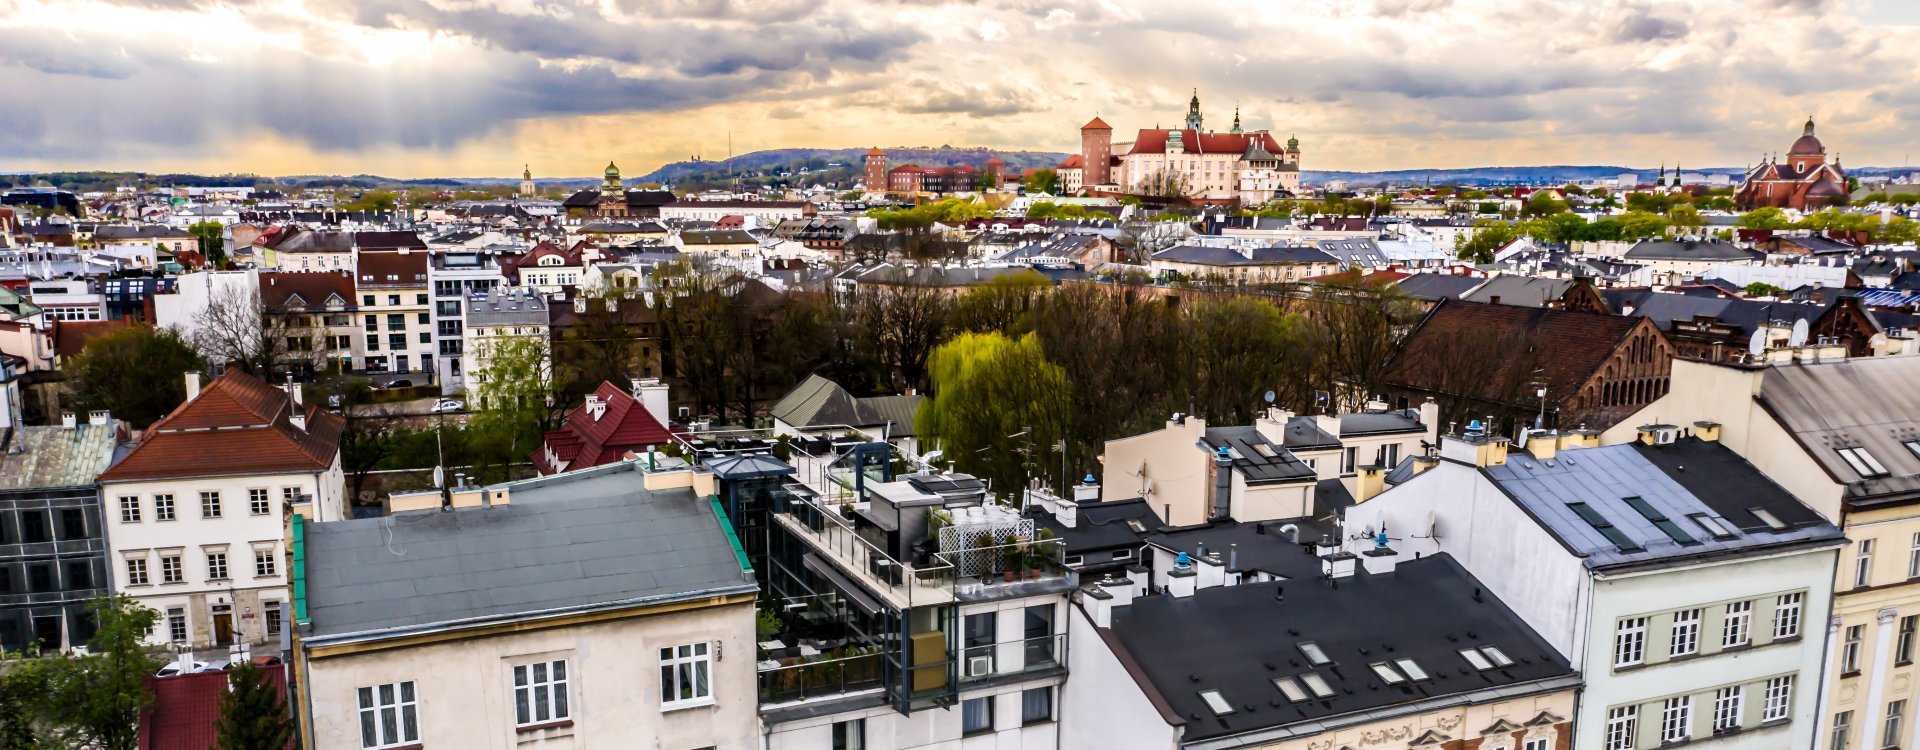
{"points": [[846, 509], [983, 555], [1011, 558]]}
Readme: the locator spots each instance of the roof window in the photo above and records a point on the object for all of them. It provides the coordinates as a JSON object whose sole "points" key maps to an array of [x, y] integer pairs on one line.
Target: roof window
{"points": [[1317, 684], [1219, 705], [1605, 527], [1387, 673], [1315, 656], [1714, 527], [1767, 517], [1863, 463], [1660, 520], [1291, 689]]}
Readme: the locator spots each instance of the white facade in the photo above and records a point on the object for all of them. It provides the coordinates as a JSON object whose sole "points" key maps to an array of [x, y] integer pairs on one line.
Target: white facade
{"points": [[451, 283]]}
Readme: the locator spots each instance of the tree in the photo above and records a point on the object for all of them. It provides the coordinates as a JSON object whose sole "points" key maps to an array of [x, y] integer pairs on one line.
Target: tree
{"points": [[365, 440], [212, 244], [1041, 181], [1899, 231], [94, 700], [1685, 217], [372, 200], [136, 372], [996, 403], [1763, 289], [903, 322], [515, 400], [253, 713], [1558, 228], [1765, 218], [1640, 225], [235, 329], [1542, 203], [1489, 235], [21, 695], [1000, 305]]}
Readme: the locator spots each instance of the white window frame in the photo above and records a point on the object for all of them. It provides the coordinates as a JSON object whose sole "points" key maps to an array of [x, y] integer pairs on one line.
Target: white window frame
{"points": [[1737, 629], [540, 693], [266, 563], [137, 572], [1851, 640], [1862, 462], [687, 664], [217, 566], [1728, 702], [1842, 726], [1538, 743], [1890, 725], [1676, 719], [1686, 633], [163, 507], [1622, 726], [211, 504], [375, 705], [259, 501], [1779, 699], [1786, 615], [1630, 642], [1913, 557], [178, 571], [129, 508], [1863, 563]]}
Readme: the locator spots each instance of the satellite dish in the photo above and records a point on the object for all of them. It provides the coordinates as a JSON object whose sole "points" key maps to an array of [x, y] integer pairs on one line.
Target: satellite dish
{"points": [[1799, 337], [1269, 397], [1758, 344]]}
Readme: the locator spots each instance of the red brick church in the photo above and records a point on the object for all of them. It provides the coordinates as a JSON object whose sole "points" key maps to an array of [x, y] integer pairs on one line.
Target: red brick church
{"points": [[1804, 181]]}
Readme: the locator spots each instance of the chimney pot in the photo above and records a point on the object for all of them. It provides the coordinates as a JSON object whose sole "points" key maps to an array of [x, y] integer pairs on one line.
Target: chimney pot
{"points": [[67, 420]]}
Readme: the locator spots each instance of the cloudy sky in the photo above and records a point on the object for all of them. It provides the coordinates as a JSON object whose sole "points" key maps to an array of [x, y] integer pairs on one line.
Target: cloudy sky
{"points": [[478, 87]]}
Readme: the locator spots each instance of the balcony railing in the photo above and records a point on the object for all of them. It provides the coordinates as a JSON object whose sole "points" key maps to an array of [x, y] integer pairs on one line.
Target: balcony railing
{"points": [[1005, 658], [905, 586], [798, 682]]}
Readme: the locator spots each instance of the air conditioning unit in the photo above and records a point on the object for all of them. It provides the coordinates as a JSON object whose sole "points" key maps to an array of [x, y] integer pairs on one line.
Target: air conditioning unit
{"points": [[979, 666], [1665, 436]]}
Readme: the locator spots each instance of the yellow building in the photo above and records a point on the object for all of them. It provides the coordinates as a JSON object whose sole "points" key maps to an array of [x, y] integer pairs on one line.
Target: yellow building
{"points": [[1844, 437]]}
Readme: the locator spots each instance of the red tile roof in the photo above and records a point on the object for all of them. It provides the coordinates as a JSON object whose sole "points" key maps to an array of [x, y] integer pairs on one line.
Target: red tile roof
{"points": [[1096, 124], [392, 268], [70, 336], [277, 289], [186, 707], [583, 441], [238, 425], [1073, 161], [1195, 142]]}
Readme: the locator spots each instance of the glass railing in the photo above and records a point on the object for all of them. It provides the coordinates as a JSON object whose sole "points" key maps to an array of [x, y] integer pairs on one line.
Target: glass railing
{"points": [[834, 534], [1011, 657], [787, 683]]}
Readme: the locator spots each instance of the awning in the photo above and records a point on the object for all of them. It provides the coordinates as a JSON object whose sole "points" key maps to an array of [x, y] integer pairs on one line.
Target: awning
{"points": [[847, 588]]}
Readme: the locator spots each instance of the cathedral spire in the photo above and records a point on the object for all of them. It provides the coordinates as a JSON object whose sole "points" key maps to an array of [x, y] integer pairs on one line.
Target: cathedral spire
{"points": [[1193, 112], [1236, 119]]}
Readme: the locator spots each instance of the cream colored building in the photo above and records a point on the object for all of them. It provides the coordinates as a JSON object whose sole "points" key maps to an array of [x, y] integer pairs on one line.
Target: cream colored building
{"points": [[1843, 436], [580, 610], [395, 314]]}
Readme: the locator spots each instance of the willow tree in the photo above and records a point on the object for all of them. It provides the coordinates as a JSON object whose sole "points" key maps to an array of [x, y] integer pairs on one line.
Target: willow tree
{"points": [[998, 407]]}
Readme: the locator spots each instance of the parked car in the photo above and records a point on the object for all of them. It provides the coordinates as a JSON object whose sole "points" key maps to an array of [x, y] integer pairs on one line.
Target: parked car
{"points": [[448, 405], [173, 668], [266, 661], [401, 383]]}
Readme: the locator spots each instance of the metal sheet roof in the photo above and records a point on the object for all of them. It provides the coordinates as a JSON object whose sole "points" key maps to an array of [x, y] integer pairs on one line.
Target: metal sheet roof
{"points": [[1869, 403]]}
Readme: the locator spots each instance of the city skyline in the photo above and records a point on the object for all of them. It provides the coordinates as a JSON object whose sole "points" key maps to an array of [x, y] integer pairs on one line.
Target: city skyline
{"points": [[417, 89]]}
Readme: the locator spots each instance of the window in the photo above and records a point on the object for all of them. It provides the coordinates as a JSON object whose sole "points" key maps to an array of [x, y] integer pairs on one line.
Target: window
{"points": [[1890, 730], [210, 504], [388, 715], [1410, 669], [1317, 684], [1850, 651], [1288, 687], [979, 639], [1786, 615], [216, 565], [264, 563], [1863, 563], [1498, 657], [425, 337], [1218, 704], [976, 715], [373, 343], [1913, 557], [170, 571], [1474, 657], [1539, 743], [258, 503], [177, 625], [1630, 642], [372, 323], [1314, 655], [1605, 527], [130, 509], [1347, 460], [1842, 723], [1659, 520], [393, 300], [1734, 631], [1621, 727], [1713, 526], [1726, 708], [1676, 719], [272, 612], [137, 571], [1863, 463], [1772, 521], [683, 676], [1036, 705], [163, 507], [540, 692], [850, 734], [1686, 633], [1779, 699], [1039, 649], [1387, 673], [420, 299], [1903, 647], [366, 299]]}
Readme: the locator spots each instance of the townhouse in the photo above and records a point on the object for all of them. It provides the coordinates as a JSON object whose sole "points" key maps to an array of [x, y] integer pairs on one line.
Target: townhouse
{"points": [[492, 317], [455, 276], [396, 317], [196, 512], [315, 314]]}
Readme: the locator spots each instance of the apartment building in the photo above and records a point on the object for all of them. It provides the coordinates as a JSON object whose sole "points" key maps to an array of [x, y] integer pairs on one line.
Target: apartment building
{"points": [[491, 317], [1843, 435], [1412, 654], [599, 608], [455, 276], [1684, 584], [396, 317], [53, 547], [196, 512], [315, 315]]}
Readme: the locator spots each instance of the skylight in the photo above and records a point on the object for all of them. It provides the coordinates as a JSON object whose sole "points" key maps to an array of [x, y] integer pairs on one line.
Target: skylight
{"points": [[1136, 526], [1412, 670], [1263, 449], [1499, 657], [1387, 673], [1317, 684], [1315, 656], [1605, 527], [1913, 446], [1863, 463], [1290, 689], [1219, 705], [1659, 520], [1713, 526], [1767, 517], [1474, 658]]}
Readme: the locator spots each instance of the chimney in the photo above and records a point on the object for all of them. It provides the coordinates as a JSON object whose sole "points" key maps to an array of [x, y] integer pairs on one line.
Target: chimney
{"points": [[297, 416], [1475, 445], [293, 392], [1222, 484], [1210, 571], [1371, 480], [1381, 559], [1087, 491], [1708, 431], [67, 419], [1101, 599], [193, 385], [1430, 418], [1182, 581], [652, 395], [1337, 564], [1422, 463], [97, 418], [1543, 444], [1658, 434]]}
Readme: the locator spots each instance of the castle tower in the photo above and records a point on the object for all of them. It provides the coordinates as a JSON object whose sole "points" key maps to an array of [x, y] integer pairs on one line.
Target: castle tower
{"points": [[998, 169], [1096, 153], [526, 183], [1193, 112], [1236, 120], [876, 176]]}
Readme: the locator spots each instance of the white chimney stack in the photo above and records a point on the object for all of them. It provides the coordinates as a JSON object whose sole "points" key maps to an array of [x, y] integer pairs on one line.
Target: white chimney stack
{"points": [[652, 395], [97, 418], [67, 420], [193, 385]]}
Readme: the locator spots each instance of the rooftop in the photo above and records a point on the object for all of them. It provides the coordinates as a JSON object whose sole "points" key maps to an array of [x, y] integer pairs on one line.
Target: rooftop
{"points": [[56, 456], [1866, 406]]}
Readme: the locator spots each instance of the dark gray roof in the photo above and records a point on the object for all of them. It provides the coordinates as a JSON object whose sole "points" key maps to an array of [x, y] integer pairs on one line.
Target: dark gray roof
{"points": [[1304, 433], [1103, 525], [495, 308], [1257, 459], [1355, 251], [1696, 250], [1354, 424], [583, 540], [1868, 403], [1258, 546], [1603, 479], [1523, 291], [1665, 308], [819, 402], [1258, 256], [1438, 285], [1238, 639]]}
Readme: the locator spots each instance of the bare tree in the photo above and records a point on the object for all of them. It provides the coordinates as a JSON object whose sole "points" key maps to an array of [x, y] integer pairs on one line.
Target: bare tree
{"points": [[236, 329], [905, 322]]}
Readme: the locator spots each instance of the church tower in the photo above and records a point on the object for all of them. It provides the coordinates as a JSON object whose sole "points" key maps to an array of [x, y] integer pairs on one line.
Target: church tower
{"points": [[1193, 112], [1236, 120], [876, 176], [613, 197], [526, 183]]}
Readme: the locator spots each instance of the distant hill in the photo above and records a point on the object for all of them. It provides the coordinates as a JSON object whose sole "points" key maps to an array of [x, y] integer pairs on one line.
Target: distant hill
{"points": [[826, 165], [1549, 175]]}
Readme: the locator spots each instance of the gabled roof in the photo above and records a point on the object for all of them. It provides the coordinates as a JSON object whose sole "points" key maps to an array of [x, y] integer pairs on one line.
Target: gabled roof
{"points": [[1687, 250], [33, 457], [819, 402], [238, 425], [1570, 345], [1868, 403], [309, 291], [1523, 291], [392, 268], [623, 426]]}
